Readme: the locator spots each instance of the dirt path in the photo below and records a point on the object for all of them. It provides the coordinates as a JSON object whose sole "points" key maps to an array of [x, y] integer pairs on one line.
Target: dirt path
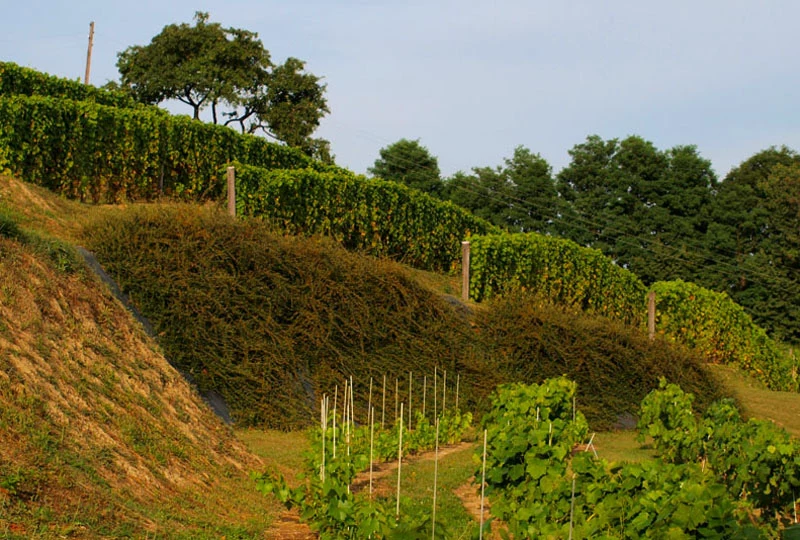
{"points": [[471, 499], [289, 526]]}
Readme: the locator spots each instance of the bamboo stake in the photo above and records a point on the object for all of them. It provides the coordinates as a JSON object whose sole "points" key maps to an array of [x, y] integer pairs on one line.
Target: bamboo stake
{"points": [[322, 425], [369, 402], [435, 481], [335, 395], [352, 404], [458, 380], [424, 391], [383, 408], [444, 392], [410, 378], [399, 458], [435, 395], [396, 397], [345, 416], [371, 445], [573, 408], [483, 483]]}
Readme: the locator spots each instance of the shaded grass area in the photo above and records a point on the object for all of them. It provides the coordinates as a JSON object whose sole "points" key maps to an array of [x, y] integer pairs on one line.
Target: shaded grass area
{"points": [[622, 446]]}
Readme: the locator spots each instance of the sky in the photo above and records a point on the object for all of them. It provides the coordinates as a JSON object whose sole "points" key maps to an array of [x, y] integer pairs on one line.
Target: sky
{"points": [[473, 80]]}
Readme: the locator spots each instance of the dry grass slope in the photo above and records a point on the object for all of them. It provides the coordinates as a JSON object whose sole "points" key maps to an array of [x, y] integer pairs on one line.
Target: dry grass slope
{"points": [[99, 436]]}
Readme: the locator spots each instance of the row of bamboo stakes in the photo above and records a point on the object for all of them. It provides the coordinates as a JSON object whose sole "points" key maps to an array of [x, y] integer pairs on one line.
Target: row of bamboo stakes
{"points": [[348, 420]]}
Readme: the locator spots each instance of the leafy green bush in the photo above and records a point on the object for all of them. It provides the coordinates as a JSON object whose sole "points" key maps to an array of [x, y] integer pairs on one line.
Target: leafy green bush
{"points": [[542, 485], [713, 324], [100, 153], [18, 80], [757, 461], [385, 219], [556, 269]]}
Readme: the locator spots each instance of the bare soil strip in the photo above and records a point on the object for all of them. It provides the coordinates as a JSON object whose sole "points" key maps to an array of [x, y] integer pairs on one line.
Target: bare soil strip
{"points": [[471, 499]]}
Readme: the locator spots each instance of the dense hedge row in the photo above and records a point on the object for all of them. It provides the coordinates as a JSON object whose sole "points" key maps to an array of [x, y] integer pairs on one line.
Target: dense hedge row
{"points": [[18, 80], [559, 270], [566, 274], [381, 218], [101, 153], [718, 327]]}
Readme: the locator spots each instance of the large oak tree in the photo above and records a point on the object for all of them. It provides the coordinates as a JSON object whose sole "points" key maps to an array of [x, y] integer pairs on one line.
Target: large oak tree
{"points": [[228, 70]]}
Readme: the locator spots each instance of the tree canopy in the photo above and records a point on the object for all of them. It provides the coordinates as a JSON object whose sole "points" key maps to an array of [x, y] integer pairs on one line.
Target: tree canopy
{"points": [[519, 195], [229, 71], [410, 163]]}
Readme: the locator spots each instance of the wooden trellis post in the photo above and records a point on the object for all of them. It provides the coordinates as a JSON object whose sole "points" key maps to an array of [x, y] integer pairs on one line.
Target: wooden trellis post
{"points": [[651, 315], [465, 271]]}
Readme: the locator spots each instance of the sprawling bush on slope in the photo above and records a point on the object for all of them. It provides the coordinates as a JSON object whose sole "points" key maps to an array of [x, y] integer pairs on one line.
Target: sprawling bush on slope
{"points": [[528, 340], [271, 321], [100, 153], [372, 215], [715, 325], [18, 80], [557, 269]]}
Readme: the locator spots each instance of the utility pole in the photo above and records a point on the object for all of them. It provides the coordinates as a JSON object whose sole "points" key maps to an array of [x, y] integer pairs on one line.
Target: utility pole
{"points": [[89, 53]]}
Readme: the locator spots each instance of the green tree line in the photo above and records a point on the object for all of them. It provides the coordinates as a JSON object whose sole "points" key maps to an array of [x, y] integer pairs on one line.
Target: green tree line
{"points": [[662, 214]]}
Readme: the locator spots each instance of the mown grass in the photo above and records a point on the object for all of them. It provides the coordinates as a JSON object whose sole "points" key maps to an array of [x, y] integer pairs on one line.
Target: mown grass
{"points": [[756, 401], [281, 451]]}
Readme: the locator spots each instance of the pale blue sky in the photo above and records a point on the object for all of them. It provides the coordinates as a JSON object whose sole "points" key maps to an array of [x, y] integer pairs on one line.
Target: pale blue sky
{"points": [[472, 80]]}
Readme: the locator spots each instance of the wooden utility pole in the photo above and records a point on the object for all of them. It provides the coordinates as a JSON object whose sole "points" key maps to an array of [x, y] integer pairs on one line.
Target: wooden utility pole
{"points": [[651, 315], [232, 191], [465, 271], [89, 53]]}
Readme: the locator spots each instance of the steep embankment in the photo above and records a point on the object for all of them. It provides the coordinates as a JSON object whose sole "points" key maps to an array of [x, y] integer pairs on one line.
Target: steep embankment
{"points": [[99, 436]]}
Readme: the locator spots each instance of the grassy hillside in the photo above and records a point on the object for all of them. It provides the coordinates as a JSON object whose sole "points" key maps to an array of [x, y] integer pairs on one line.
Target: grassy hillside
{"points": [[99, 436]]}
